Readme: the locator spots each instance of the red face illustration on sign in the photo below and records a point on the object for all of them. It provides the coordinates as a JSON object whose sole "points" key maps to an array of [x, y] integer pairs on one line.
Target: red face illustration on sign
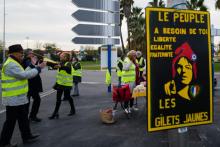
{"points": [[184, 71]]}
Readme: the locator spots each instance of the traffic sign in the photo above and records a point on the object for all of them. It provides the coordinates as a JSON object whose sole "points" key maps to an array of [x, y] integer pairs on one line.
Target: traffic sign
{"points": [[109, 15], [108, 5], [85, 40], [96, 30], [97, 17]]}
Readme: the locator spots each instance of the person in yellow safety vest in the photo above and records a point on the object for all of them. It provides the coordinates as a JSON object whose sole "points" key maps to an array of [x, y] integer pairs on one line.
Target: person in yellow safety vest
{"points": [[141, 64], [108, 78], [119, 69], [129, 76], [14, 95], [64, 83], [77, 75]]}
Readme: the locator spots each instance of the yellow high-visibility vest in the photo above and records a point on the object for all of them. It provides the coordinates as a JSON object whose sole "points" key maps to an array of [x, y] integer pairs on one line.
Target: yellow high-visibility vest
{"points": [[107, 77], [77, 72], [129, 75], [12, 86], [63, 78], [140, 63], [119, 72]]}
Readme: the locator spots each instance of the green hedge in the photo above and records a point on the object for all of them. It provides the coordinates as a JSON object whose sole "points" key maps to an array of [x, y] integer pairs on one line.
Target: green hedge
{"points": [[90, 65], [217, 67]]}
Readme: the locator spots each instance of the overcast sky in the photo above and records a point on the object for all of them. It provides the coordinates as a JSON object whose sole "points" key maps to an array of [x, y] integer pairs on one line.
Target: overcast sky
{"points": [[51, 21]]}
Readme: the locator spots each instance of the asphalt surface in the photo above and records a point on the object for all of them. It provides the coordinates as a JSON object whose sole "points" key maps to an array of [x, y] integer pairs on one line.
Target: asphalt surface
{"points": [[86, 130]]}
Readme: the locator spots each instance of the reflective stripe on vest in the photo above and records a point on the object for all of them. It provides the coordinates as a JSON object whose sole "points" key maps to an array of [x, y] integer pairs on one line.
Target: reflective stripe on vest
{"points": [[119, 72], [11, 86], [77, 72], [140, 63], [63, 78], [129, 75]]}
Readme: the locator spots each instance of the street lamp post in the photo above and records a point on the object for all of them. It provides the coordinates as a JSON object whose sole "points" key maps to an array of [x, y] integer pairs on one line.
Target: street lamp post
{"points": [[3, 32], [27, 41]]}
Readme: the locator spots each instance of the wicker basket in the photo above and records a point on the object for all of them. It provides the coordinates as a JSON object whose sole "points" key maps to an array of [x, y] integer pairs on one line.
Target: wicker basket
{"points": [[106, 116]]}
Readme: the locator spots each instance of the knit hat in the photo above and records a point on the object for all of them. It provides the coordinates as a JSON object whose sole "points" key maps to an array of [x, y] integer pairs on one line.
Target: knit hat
{"points": [[15, 48], [185, 51]]}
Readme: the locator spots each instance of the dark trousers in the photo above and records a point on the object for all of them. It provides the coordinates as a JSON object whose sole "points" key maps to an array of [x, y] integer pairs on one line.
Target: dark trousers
{"points": [[131, 102], [14, 113], [119, 81], [35, 105], [76, 88], [141, 77], [66, 96]]}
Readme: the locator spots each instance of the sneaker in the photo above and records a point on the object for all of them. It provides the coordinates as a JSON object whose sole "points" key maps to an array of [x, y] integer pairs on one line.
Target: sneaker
{"points": [[113, 112], [126, 110], [129, 110]]}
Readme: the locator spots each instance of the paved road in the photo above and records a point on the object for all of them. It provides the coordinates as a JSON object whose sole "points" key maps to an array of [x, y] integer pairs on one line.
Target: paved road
{"points": [[86, 130], [90, 77]]}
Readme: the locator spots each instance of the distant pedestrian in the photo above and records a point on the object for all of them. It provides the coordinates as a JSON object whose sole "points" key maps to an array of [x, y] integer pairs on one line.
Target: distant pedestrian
{"points": [[129, 76], [35, 86], [141, 64], [138, 77], [14, 95], [64, 83], [77, 75], [119, 68]]}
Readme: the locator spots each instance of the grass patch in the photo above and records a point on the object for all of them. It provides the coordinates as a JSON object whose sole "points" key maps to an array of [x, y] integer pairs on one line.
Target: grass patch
{"points": [[217, 67], [90, 65], [95, 65]]}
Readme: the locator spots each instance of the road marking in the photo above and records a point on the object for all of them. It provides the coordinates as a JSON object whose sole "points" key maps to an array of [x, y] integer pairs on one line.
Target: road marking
{"points": [[203, 137], [2, 111], [217, 88], [42, 95], [217, 73]]}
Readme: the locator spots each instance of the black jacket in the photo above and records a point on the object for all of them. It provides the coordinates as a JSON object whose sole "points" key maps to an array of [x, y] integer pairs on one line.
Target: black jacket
{"points": [[76, 79], [34, 84]]}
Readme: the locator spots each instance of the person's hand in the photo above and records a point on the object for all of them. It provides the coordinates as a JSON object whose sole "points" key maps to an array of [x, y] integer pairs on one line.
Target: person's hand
{"points": [[33, 60], [42, 65], [170, 87]]}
